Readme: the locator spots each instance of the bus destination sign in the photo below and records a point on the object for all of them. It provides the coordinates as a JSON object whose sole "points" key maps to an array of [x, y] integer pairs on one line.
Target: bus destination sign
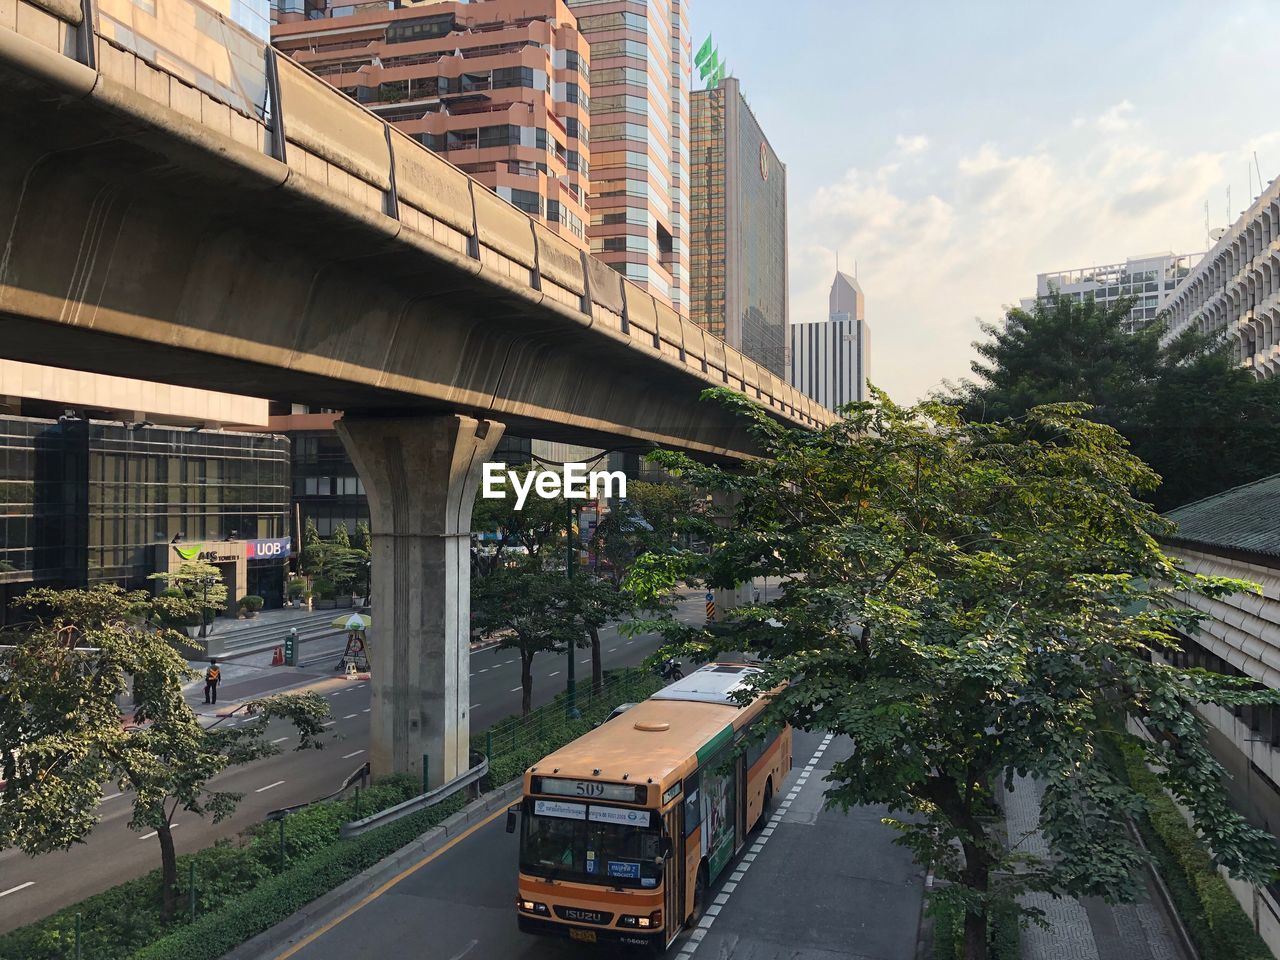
{"points": [[591, 790]]}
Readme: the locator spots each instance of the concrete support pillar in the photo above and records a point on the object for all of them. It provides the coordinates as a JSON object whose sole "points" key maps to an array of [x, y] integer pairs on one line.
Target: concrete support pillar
{"points": [[421, 475]]}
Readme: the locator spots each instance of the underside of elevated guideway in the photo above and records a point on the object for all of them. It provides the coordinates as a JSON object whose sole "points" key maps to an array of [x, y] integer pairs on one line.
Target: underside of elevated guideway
{"points": [[141, 250]]}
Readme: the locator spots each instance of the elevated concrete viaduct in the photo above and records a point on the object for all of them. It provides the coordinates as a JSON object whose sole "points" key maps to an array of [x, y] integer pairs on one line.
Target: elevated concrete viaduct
{"points": [[180, 203]]}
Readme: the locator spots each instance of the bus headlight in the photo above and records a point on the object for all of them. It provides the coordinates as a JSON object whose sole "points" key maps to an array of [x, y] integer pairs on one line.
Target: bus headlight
{"points": [[650, 922], [530, 906]]}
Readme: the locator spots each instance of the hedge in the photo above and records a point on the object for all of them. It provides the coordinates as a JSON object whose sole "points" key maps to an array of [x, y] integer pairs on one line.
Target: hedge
{"points": [[1212, 915], [1003, 931]]}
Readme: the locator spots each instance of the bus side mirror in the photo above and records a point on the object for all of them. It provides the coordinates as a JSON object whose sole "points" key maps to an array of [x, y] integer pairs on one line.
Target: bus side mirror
{"points": [[664, 848], [511, 819]]}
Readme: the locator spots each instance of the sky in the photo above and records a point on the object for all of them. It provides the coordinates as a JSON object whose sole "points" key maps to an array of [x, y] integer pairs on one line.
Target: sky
{"points": [[955, 150]]}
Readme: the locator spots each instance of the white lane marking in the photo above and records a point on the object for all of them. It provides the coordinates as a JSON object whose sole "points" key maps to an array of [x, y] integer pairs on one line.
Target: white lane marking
{"points": [[628, 643], [351, 716], [21, 886], [484, 669], [337, 693], [474, 705], [611, 649], [329, 723], [588, 660], [515, 689], [353, 753], [269, 786], [148, 836], [279, 739], [696, 935], [554, 674], [366, 709], [111, 796]]}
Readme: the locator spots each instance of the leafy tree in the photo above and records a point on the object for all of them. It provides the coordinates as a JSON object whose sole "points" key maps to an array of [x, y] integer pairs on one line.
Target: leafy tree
{"points": [[965, 601], [538, 528], [594, 603], [61, 735], [202, 584], [652, 518], [1203, 422], [341, 538], [531, 611], [363, 539], [1208, 424]]}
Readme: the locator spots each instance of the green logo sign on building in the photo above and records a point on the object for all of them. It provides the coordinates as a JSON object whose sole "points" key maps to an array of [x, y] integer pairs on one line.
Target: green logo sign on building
{"points": [[188, 552]]}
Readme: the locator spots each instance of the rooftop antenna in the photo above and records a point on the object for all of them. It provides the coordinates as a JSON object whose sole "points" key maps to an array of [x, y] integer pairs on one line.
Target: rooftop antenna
{"points": [[1208, 241], [1261, 188]]}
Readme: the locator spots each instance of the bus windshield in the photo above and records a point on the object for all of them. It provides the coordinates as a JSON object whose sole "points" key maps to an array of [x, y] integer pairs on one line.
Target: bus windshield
{"points": [[590, 843]]}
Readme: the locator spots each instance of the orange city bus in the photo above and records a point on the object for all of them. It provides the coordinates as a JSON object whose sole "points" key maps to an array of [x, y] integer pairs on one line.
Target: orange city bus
{"points": [[623, 831]]}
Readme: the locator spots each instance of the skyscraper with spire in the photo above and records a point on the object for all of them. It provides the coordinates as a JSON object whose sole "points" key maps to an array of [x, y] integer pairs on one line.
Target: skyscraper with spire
{"points": [[830, 358]]}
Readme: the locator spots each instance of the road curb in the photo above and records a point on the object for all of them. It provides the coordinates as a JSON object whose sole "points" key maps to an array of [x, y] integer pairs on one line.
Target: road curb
{"points": [[315, 914]]}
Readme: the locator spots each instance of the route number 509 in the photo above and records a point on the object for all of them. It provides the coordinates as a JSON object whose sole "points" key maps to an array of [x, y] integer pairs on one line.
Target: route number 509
{"points": [[590, 789]]}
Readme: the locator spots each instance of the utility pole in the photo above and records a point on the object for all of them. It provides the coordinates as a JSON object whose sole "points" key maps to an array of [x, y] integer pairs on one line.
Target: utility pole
{"points": [[571, 683]]}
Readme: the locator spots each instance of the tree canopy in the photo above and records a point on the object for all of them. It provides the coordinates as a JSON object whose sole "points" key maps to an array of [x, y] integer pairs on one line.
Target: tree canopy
{"points": [[968, 602], [1201, 421], [62, 735]]}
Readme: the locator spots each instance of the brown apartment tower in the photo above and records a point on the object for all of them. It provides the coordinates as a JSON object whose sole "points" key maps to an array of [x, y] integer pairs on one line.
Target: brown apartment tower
{"points": [[641, 65], [499, 87]]}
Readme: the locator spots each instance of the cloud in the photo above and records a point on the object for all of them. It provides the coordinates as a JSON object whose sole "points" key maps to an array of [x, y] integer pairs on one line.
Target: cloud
{"points": [[1115, 119], [909, 146], [934, 260]]}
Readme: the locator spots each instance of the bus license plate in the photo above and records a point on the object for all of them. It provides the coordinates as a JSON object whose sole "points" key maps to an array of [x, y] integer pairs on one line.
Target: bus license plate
{"points": [[586, 936]]}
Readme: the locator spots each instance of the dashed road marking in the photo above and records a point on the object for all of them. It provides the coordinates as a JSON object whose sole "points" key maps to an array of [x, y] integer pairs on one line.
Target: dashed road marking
{"points": [[21, 886], [366, 709], [148, 836], [554, 673], [353, 753], [351, 716], [279, 739], [330, 723], [515, 690], [106, 798], [474, 705], [269, 786]]}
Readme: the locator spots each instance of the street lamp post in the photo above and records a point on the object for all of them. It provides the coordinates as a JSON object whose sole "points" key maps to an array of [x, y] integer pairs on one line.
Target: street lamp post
{"points": [[571, 683]]}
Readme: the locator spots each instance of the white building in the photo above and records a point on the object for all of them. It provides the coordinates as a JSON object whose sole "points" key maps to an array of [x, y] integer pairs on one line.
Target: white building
{"points": [[1236, 287], [830, 358], [1151, 279]]}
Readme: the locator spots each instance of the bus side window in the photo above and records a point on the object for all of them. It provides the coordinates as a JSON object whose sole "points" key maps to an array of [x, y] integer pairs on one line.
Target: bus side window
{"points": [[692, 803], [757, 749]]}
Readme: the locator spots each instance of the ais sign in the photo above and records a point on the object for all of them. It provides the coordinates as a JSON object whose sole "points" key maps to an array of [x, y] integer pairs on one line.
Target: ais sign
{"points": [[267, 549]]}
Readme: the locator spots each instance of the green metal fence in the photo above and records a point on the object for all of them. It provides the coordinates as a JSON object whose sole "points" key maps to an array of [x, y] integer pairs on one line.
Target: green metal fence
{"points": [[551, 722]]}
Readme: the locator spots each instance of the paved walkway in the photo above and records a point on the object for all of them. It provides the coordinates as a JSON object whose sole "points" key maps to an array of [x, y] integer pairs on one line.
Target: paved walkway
{"points": [[1087, 929]]}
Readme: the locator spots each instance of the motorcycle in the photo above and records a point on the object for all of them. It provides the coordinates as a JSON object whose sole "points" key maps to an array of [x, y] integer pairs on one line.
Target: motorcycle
{"points": [[670, 670]]}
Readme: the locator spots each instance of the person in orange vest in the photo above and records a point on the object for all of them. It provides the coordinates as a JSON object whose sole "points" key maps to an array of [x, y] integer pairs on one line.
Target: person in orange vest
{"points": [[211, 678]]}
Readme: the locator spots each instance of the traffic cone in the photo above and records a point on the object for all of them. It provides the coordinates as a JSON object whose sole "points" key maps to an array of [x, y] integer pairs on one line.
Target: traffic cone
{"points": [[277, 658]]}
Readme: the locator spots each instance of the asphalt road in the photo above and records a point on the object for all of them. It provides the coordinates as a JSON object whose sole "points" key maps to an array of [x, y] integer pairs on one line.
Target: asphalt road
{"points": [[31, 888], [814, 884]]}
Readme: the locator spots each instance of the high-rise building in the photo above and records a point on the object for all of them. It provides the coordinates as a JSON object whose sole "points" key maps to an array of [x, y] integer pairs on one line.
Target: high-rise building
{"points": [[1149, 280], [830, 358], [641, 63], [1232, 291], [738, 228], [99, 475], [499, 87]]}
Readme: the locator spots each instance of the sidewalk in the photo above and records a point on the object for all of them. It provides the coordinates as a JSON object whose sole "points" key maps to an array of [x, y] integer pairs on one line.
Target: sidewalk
{"points": [[1087, 929]]}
